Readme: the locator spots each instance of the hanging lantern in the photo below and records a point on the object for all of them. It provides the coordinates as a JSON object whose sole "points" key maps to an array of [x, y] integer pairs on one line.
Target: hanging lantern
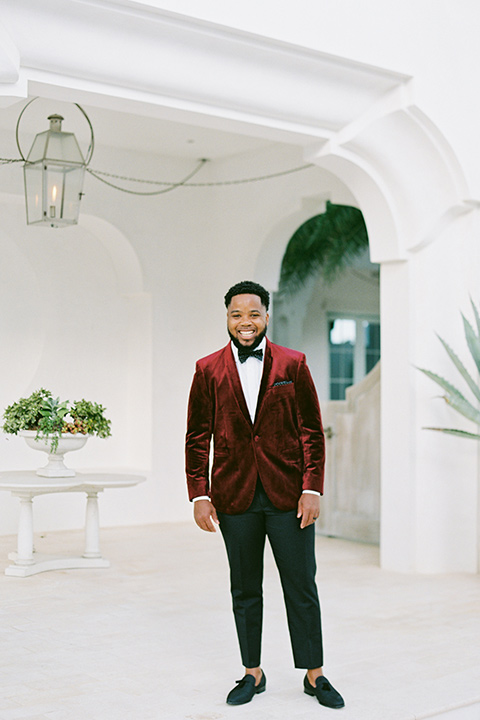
{"points": [[54, 172]]}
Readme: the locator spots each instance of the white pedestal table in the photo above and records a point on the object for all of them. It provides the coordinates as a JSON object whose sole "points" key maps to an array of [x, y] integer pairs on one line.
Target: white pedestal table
{"points": [[26, 485]]}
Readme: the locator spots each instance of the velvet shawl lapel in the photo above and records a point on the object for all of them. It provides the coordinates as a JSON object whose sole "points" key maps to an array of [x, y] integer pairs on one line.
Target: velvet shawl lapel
{"points": [[235, 383], [267, 366]]}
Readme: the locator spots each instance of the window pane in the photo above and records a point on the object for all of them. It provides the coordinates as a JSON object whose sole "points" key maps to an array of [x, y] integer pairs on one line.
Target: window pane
{"points": [[372, 344], [342, 348], [343, 339], [343, 331]]}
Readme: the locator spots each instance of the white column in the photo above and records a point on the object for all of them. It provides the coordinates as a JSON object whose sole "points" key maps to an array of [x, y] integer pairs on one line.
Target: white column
{"points": [[25, 531], [444, 274], [398, 422], [92, 526], [429, 479]]}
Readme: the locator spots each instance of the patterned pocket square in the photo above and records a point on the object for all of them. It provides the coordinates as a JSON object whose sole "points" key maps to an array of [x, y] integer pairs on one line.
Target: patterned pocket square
{"points": [[283, 382]]}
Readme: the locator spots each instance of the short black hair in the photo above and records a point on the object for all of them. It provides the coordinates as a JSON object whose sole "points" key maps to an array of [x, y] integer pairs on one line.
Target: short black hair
{"points": [[248, 287]]}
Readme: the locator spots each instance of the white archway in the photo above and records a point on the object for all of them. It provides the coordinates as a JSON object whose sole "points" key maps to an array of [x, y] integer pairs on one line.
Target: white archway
{"points": [[409, 187], [411, 191]]}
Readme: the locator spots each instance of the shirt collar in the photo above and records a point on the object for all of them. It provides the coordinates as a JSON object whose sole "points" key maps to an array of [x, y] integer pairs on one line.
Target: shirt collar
{"points": [[259, 347]]}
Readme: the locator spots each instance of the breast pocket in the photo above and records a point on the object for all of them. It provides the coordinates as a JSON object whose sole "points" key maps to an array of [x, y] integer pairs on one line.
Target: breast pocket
{"points": [[281, 392]]}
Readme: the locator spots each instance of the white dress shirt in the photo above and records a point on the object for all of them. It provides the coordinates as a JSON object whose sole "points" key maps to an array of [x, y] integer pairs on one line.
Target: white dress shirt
{"points": [[250, 373]]}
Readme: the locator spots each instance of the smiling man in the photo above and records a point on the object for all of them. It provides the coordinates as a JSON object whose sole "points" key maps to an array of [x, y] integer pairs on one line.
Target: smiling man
{"points": [[258, 402]]}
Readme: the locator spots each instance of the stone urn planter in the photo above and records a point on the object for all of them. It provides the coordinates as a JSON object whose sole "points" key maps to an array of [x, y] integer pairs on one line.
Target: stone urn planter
{"points": [[55, 427], [55, 466]]}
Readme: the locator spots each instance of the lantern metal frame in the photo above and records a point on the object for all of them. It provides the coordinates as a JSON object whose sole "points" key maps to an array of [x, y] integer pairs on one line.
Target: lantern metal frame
{"points": [[68, 173]]}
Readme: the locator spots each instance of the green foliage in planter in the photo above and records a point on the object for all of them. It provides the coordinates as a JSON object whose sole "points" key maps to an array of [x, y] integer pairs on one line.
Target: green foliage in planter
{"points": [[51, 422], [453, 396], [91, 417], [26, 413], [50, 417]]}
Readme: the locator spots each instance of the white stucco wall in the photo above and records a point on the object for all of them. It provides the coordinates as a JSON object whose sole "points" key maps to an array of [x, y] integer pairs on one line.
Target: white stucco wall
{"points": [[121, 317], [380, 96], [435, 43]]}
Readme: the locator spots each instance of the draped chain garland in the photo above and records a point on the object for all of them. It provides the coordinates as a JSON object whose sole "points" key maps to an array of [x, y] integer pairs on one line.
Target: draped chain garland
{"points": [[166, 186]]}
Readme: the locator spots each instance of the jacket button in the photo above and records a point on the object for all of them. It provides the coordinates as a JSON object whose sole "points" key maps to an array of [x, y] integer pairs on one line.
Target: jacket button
{"points": [[256, 438]]}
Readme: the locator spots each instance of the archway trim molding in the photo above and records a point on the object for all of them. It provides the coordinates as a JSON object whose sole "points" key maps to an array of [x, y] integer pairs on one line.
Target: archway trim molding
{"points": [[405, 178], [174, 63], [269, 260]]}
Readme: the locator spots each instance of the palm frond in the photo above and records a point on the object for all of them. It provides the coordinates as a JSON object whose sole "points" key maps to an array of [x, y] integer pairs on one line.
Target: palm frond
{"points": [[325, 243]]}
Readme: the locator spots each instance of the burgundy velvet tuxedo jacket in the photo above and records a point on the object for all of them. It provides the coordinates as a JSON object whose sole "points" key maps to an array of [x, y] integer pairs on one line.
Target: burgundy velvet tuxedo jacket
{"points": [[285, 446]]}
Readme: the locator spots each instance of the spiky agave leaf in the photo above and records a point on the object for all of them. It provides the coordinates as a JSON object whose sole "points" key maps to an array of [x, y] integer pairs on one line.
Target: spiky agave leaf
{"points": [[461, 368], [473, 342], [444, 384], [458, 433], [477, 316], [464, 407], [454, 397]]}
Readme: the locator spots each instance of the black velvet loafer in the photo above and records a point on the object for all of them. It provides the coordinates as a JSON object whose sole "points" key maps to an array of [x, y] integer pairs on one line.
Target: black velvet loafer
{"points": [[324, 692], [246, 689]]}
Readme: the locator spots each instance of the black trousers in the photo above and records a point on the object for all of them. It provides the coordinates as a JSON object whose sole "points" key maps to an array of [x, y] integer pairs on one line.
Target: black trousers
{"points": [[294, 553]]}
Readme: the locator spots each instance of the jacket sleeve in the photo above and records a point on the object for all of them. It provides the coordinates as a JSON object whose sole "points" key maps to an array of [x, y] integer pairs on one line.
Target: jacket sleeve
{"points": [[198, 437], [311, 429]]}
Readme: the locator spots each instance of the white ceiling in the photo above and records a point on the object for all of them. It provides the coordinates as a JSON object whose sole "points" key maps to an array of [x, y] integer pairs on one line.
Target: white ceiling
{"points": [[162, 83], [113, 128]]}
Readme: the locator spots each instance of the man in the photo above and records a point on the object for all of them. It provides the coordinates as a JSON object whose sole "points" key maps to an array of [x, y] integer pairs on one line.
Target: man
{"points": [[258, 402]]}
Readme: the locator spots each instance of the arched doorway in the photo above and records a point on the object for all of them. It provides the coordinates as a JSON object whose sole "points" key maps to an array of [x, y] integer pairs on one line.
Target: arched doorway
{"points": [[328, 302], [332, 313], [417, 238]]}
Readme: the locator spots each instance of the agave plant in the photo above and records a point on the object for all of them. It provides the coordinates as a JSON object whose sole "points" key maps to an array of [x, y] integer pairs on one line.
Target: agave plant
{"points": [[453, 396]]}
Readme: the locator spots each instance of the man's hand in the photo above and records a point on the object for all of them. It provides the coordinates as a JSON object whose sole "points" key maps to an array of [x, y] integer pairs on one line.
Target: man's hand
{"points": [[308, 509], [205, 515]]}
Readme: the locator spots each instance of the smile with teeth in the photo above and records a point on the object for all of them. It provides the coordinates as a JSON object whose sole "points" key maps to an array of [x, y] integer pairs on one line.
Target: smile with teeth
{"points": [[246, 333]]}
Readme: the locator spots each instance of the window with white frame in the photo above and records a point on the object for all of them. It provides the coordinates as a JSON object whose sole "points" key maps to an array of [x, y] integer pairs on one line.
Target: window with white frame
{"points": [[354, 348]]}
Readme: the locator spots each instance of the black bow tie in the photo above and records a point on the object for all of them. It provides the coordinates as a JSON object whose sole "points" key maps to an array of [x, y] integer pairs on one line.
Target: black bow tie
{"points": [[245, 353]]}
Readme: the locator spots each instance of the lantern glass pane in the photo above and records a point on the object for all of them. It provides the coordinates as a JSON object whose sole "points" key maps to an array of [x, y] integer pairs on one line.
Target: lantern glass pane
{"points": [[33, 178], [54, 190], [63, 146], [51, 145], [37, 151], [72, 194], [53, 193]]}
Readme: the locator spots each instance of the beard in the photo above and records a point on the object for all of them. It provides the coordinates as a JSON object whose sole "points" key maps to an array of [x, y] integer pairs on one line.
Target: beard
{"points": [[254, 345]]}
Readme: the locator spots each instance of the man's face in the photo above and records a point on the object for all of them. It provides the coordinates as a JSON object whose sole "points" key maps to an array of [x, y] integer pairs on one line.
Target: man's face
{"points": [[247, 320]]}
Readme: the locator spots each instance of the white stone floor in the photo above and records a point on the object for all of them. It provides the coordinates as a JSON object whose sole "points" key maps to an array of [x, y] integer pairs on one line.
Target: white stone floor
{"points": [[152, 637]]}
